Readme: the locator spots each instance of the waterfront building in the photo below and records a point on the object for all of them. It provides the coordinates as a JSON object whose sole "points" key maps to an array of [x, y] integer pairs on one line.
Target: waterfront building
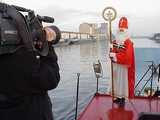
{"points": [[94, 29]]}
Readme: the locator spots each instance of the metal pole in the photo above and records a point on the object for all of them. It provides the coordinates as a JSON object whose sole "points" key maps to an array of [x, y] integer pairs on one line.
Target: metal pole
{"points": [[142, 77], [78, 75], [97, 86], [152, 79], [158, 76], [145, 85], [110, 39], [109, 14]]}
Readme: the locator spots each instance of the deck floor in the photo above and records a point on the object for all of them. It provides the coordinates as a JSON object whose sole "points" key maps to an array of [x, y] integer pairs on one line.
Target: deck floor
{"points": [[102, 108]]}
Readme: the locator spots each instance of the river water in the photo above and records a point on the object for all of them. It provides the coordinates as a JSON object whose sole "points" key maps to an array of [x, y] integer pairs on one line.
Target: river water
{"points": [[79, 58]]}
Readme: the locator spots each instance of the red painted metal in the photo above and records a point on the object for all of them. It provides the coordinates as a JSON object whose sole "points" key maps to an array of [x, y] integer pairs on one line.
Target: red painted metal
{"points": [[101, 107]]}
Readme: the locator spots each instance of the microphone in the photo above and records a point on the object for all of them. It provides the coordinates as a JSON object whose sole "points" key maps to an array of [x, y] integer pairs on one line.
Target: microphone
{"points": [[46, 19]]}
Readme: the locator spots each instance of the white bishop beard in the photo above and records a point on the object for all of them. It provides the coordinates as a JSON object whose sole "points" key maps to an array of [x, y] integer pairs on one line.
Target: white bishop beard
{"points": [[121, 37]]}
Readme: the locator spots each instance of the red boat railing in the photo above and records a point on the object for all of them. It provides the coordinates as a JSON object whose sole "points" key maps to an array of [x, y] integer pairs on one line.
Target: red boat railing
{"points": [[152, 70]]}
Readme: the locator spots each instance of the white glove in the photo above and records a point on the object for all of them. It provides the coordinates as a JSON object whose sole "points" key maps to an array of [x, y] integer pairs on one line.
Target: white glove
{"points": [[111, 46], [113, 56]]}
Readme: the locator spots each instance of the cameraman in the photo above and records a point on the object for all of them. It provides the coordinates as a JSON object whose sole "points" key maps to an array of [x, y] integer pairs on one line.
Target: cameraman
{"points": [[25, 78]]}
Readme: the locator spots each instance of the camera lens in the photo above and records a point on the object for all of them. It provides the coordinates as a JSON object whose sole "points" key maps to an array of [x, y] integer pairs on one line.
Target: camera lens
{"points": [[58, 34]]}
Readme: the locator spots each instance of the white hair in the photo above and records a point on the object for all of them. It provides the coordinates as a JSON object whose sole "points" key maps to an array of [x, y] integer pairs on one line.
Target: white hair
{"points": [[121, 36]]}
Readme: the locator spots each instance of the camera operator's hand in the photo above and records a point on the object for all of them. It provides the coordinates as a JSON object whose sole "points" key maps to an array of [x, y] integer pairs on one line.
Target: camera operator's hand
{"points": [[50, 34]]}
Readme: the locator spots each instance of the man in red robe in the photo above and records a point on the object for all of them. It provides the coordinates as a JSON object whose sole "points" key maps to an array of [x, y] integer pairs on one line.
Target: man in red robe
{"points": [[122, 56]]}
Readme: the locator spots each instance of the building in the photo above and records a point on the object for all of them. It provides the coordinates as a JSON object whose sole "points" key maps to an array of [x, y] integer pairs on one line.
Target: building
{"points": [[89, 28], [103, 28], [93, 29], [102, 31]]}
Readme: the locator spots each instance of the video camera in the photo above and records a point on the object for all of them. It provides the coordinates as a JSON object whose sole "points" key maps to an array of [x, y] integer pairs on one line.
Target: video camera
{"points": [[17, 30]]}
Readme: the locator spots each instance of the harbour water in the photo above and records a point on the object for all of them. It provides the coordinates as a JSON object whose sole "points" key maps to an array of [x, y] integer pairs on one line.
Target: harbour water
{"points": [[79, 58]]}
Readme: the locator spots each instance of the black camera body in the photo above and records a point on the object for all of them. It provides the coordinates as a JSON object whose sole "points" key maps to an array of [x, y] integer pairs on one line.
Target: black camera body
{"points": [[17, 30]]}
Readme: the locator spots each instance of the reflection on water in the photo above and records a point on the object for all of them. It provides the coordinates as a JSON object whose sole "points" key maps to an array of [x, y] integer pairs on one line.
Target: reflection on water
{"points": [[79, 59], [145, 43]]}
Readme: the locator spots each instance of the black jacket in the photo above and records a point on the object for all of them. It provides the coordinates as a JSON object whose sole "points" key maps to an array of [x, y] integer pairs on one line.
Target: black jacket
{"points": [[24, 81], [24, 73]]}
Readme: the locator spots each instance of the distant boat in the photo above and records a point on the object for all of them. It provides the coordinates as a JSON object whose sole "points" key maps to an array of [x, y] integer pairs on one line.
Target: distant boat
{"points": [[71, 41], [156, 37]]}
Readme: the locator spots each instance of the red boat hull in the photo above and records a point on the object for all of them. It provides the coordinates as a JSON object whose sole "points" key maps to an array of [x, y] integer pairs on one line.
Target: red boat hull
{"points": [[101, 107]]}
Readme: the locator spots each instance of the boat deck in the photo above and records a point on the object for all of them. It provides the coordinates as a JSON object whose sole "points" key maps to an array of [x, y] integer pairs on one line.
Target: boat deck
{"points": [[101, 107]]}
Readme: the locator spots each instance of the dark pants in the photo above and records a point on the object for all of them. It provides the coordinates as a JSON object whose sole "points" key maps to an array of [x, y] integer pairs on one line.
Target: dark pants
{"points": [[34, 107]]}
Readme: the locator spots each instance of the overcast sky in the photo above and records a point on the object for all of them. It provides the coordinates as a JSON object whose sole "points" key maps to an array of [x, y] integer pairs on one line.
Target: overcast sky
{"points": [[143, 15]]}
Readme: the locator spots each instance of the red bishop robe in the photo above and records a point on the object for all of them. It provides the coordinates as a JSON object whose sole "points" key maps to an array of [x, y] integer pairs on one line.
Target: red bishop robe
{"points": [[125, 59]]}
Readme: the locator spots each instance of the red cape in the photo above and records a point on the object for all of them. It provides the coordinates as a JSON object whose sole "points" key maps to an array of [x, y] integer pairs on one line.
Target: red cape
{"points": [[126, 56]]}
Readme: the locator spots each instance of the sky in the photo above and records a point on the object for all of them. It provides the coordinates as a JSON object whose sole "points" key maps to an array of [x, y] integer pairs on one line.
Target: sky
{"points": [[143, 15]]}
